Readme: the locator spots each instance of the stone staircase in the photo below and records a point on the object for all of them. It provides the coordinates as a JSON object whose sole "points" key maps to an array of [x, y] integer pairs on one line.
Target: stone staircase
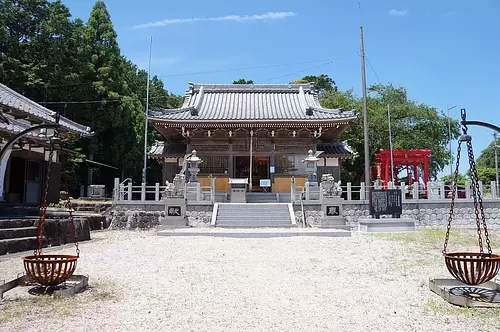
{"points": [[256, 197], [254, 215], [17, 235]]}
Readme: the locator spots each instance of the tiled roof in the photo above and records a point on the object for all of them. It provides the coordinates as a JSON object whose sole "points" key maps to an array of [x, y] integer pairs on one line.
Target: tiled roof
{"points": [[163, 149], [336, 149], [16, 126], [252, 102], [13, 100]]}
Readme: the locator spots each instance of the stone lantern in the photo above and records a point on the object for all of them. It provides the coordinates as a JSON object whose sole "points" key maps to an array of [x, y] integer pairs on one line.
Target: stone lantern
{"points": [[193, 161], [311, 166]]}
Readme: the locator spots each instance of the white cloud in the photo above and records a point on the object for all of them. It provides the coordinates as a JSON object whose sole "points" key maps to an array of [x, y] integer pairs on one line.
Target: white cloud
{"points": [[234, 18], [395, 12]]}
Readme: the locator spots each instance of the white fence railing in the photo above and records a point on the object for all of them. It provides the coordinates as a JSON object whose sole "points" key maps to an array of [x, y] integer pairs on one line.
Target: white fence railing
{"points": [[127, 192], [430, 191]]}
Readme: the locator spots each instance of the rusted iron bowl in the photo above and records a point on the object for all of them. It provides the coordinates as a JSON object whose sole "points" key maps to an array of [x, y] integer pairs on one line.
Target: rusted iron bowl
{"points": [[49, 270], [472, 268]]}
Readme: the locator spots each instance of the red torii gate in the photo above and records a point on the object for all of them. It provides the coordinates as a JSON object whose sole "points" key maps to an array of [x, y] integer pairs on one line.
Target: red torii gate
{"points": [[402, 158]]}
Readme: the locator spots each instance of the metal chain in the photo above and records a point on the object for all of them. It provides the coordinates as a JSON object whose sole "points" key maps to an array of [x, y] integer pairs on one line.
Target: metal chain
{"points": [[476, 192], [453, 195], [478, 202], [69, 206], [41, 220]]}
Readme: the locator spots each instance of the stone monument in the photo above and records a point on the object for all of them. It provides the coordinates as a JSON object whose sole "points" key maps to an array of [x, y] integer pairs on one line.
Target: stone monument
{"points": [[386, 202]]}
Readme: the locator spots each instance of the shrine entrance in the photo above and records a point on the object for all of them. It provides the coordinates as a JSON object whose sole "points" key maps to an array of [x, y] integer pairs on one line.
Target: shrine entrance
{"points": [[260, 170]]}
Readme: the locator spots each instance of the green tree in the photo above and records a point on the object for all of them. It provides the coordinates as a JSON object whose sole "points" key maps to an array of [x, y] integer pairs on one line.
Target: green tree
{"points": [[487, 156], [119, 119], [461, 179], [322, 83], [243, 81], [414, 126]]}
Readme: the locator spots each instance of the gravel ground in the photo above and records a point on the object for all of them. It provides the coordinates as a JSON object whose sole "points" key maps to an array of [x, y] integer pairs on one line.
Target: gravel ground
{"points": [[142, 282]]}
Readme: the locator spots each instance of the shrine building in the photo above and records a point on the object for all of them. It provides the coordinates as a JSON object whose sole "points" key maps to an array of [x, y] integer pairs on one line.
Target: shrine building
{"points": [[254, 131]]}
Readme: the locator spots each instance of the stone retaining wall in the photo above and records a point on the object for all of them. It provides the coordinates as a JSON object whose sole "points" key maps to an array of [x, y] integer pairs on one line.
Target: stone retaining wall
{"points": [[426, 213], [199, 218], [122, 218]]}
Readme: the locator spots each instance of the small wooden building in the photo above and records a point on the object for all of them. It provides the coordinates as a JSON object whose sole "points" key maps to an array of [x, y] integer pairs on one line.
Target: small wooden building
{"points": [[254, 131], [23, 168]]}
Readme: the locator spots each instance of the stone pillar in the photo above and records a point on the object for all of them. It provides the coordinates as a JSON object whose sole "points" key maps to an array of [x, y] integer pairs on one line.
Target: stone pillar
{"points": [[3, 172]]}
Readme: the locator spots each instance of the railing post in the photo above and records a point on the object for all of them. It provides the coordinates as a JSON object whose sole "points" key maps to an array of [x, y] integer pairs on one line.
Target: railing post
{"points": [[157, 191], [415, 191], [349, 191], [467, 190], [493, 189], [402, 185], [307, 191], [143, 192], [362, 191], [129, 195], [480, 184], [116, 190], [293, 188], [442, 193]]}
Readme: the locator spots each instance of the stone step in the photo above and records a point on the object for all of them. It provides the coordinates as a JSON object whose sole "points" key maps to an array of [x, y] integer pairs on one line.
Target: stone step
{"points": [[252, 218], [271, 225], [254, 215], [17, 223], [21, 232], [342, 227], [10, 246]]}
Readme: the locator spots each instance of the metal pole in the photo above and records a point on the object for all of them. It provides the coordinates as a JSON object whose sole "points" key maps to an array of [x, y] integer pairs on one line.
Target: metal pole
{"points": [[390, 142], [496, 161], [251, 158], [147, 113], [365, 115], [448, 109]]}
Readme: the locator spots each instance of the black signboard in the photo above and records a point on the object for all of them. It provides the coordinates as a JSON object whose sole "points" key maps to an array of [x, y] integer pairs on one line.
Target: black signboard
{"points": [[174, 211], [332, 210], [386, 201]]}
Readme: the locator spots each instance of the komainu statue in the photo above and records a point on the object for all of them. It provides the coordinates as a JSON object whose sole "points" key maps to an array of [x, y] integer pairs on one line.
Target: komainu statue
{"points": [[330, 187], [176, 188]]}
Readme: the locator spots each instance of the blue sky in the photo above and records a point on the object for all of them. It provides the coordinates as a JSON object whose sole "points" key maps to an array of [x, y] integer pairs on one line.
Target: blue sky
{"points": [[444, 52]]}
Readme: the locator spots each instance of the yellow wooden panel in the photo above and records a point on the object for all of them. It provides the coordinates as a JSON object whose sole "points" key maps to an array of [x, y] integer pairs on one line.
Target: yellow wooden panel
{"points": [[282, 184], [221, 183]]}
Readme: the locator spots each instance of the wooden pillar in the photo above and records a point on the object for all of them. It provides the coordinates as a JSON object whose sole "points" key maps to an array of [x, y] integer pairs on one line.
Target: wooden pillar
{"points": [[230, 161], [164, 170], [426, 174]]}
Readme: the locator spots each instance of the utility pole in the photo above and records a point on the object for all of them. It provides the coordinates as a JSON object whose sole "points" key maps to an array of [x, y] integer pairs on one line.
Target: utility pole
{"points": [[496, 161], [147, 113], [365, 111]]}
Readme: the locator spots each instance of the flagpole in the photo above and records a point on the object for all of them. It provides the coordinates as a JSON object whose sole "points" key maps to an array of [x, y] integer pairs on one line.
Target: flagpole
{"points": [[365, 111], [390, 142], [147, 113]]}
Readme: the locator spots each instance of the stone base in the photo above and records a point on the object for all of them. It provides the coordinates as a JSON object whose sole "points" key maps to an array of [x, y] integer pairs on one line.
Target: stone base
{"points": [[254, 232], [334, 222], [386, 225], [486, 295]]}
